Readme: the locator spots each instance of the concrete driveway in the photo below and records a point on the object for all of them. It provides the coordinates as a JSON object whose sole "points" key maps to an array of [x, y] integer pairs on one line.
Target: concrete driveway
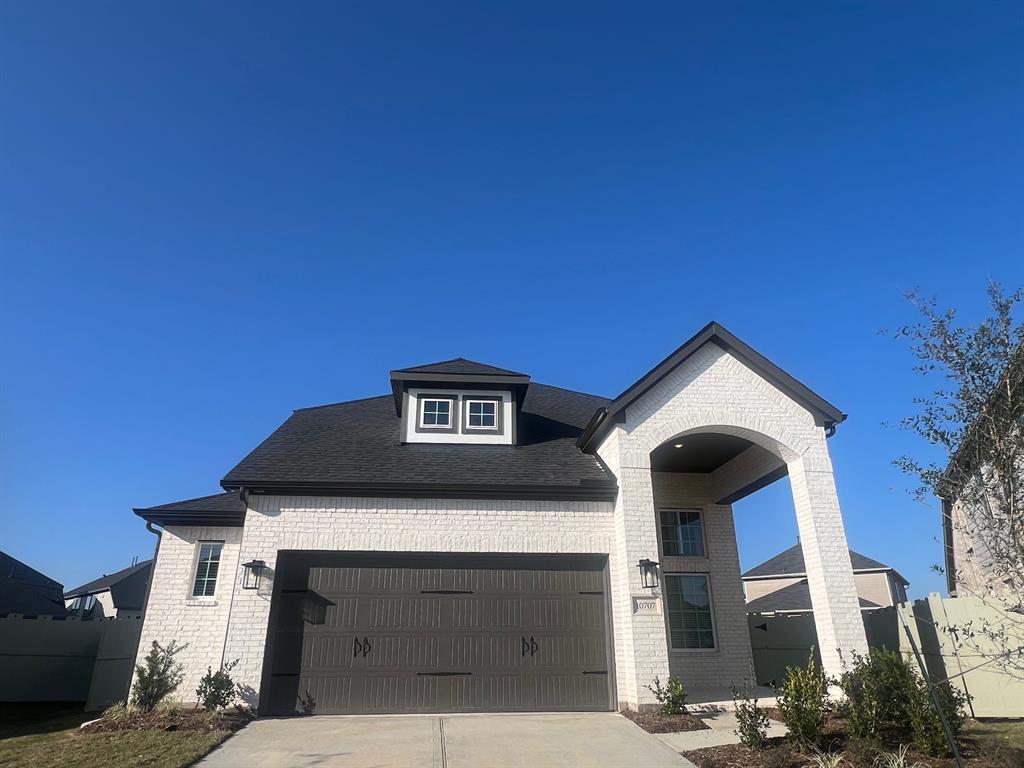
{"points": [[448, 741]]}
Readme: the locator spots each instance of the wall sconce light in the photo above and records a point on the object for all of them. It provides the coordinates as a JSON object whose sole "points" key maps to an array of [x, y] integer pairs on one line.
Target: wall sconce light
{"points": [[648, 573], [253, 572]]}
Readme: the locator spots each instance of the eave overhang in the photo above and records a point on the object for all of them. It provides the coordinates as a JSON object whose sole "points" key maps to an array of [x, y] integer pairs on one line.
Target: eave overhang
{"points": [[585, 491]]}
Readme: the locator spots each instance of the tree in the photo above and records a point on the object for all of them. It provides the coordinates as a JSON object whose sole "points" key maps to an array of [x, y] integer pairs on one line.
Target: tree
{"points": [[976, 417]]}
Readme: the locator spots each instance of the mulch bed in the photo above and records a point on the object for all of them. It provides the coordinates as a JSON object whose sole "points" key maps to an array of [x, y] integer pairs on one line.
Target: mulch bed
{"points": [[655, 722], [780, 754], [185, 720]]}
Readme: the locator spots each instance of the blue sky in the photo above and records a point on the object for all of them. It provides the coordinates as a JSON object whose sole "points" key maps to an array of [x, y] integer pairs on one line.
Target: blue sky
{"points": [[211, 214]]}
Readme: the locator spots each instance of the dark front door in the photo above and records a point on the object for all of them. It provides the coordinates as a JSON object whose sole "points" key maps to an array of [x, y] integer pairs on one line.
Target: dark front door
{"points": [[437, 633]]}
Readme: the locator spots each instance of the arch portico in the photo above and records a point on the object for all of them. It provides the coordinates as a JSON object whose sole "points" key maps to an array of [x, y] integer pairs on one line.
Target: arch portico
{"points": [[718, 388]]}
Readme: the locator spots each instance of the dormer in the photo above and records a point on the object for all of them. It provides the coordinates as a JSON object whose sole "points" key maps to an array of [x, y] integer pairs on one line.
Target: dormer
{"points": [[458, 402]]}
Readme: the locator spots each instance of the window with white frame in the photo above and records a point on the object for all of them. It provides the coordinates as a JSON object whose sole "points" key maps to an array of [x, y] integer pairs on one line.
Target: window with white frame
{"points": [[688, 600], [481, 414], [682, 533], [207, 568], [436, 413]]}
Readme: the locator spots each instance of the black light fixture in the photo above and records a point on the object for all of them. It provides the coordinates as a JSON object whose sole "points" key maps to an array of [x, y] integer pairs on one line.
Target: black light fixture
{"points": [[253, 572], [648, 573]]}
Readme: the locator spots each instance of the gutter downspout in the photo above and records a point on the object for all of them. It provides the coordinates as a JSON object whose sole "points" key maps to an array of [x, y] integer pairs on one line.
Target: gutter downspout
{"points": [[243, 495], [152, 571]]}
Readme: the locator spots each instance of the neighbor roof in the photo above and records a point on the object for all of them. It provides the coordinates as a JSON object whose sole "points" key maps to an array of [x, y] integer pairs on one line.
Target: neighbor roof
{"points": [[713, 333], [225, 509], [105, 582], [25, 590], [355, 448], [795, 597], [791, 563]]}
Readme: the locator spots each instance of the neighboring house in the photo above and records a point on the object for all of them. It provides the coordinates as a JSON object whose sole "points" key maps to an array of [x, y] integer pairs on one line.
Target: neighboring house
{"points": [[967, 530], [119, 595], [478, 541], [779, 585], [26, 591]]}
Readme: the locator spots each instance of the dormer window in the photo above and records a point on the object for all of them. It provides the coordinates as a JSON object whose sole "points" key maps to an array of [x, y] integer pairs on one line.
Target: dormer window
{"points": [[436, 414], [481, 414]]}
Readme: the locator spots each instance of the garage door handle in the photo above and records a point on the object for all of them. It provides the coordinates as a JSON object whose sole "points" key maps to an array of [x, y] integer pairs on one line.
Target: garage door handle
{"points": [[358, 649], [533, 646], [366, 646], [526, 646]]}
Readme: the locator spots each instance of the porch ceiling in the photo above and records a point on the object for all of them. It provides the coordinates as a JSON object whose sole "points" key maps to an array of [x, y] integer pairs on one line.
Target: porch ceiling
{"points": [[701, 452]]}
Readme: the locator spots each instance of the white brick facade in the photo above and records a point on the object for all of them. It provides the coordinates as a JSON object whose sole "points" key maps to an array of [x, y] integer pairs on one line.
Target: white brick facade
{"points": [[712, 391]]}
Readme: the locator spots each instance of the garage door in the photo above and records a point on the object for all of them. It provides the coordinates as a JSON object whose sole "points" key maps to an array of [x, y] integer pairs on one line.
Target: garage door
{"points": [[421, 633]]}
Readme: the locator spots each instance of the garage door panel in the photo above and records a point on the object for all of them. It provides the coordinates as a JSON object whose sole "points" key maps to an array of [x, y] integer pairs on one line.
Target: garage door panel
{"points": [[328, 652], [487, 612], [363, 636], [577, 612]]}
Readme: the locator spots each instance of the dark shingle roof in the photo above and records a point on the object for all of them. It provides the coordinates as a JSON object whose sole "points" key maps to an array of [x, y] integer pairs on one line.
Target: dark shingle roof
{"points": [[355, 448], [106, 582], [791, 563], [219, 509], [25, 590], [795, 597], [460, 366]]}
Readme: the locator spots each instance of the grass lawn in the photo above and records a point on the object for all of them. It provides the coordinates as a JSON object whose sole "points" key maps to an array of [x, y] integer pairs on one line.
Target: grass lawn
{"points": [[1002, 737], [51, 740]]}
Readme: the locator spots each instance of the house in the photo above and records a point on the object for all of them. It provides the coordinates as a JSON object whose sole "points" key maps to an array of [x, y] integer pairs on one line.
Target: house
{"points": [[474, 540], [982, 556], [779, 584], [119, 595], [27, 592]]}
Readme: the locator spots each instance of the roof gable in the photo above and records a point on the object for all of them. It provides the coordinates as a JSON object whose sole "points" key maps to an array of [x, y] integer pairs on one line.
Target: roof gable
{"points": [[712, 333], [791, 563]]}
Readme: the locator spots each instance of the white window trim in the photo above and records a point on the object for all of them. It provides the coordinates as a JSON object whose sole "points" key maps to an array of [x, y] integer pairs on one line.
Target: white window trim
{"points": [[703, 531], [497, 415], [192, 596], [451, 412], [711, 607]]}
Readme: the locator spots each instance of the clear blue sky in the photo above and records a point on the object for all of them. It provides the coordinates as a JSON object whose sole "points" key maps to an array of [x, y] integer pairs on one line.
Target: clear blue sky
{"points": [[213, 213]]}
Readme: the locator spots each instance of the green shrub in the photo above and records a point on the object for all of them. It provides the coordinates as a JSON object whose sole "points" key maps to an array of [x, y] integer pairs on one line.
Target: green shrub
{"points": [[928, 735], [751, 721], [803, 702], [878, 688], [672, 697], [216, 689], [159, 677]]}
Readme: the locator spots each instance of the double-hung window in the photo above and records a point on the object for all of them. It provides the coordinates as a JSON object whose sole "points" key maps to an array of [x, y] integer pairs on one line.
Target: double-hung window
{"points": [[436, 413], [481, 414], [207, 568], [688, 598], [682, 533]]}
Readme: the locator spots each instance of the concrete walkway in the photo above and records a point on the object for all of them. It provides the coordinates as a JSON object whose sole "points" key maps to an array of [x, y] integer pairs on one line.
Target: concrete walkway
{"points": [[448, 741], [722, 730]]}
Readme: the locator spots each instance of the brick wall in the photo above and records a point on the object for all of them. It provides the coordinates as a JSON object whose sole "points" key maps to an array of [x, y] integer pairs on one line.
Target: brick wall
{"points": [[173, 614], [731, 661]]}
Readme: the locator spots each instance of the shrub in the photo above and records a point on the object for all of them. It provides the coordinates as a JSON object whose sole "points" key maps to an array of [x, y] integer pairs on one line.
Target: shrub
{"points": [[878, 689], [672, 697], [928, 735], [117, 712], [803, 701], [216, 689], [159, 677], [751, 721]]}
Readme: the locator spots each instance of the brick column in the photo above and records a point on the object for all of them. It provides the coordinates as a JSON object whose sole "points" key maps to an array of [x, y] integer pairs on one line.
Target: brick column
{"points": [[837, 615], [644, 634]]}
